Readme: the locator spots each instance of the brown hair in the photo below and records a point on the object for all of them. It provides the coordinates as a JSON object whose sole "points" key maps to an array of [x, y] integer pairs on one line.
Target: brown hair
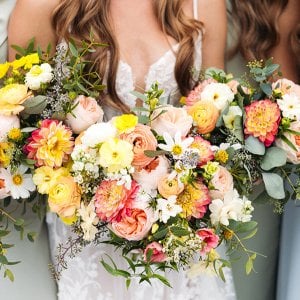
{"points": [[77, 18], [257, 24]]}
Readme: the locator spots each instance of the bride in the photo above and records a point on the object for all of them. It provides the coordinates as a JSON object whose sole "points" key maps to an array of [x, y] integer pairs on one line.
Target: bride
{"points": [[148, 41]]}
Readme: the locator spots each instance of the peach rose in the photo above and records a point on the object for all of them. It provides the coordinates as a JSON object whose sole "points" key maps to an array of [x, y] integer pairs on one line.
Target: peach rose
{"points": [[222, 181], [86, 113], [292, 155], [157, 252], [205, 116], [142, 139], [6, 124], [233, 85], [64, 197], [167, 187], [209, 238], [136, 224], [204, 148], [171, 121], [149, 176], [286, 87]]}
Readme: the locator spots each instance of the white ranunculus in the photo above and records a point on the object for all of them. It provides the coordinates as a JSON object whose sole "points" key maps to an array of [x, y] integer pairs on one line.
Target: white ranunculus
{"points": [[233, 111], [98, 133], [290, 106], [218, 93], [6, 124], [38, 75]]}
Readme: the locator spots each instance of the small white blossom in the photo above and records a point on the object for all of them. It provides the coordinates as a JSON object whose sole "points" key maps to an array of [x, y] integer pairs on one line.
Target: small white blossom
{"points": [[168, 208], [225, 146], [290, 106], [38, 75]]}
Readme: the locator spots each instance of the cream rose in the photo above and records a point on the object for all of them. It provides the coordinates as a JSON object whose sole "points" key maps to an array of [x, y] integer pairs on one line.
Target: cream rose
{"points": [[172, 120], [222, 181], [6, 124], [149, 177], [292, 155], [86, 113], [141, 139], [136, 224]]}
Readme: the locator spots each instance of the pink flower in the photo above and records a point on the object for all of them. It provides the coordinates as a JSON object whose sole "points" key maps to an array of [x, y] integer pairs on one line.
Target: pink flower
{"points": [[292, 155], [262, 120], [6, 124], [157, 252], [141, 139], [286, 87], [195, 95], [149, 176], [136, 223], [209, 238], [204, 148], [86, 113], [50, 145], [3, 190], [172, 120], [222, 181], [112, 201]]}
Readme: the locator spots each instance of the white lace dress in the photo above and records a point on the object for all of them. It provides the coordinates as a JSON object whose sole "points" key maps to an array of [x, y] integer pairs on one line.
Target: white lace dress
{"points": [[85, 278]]}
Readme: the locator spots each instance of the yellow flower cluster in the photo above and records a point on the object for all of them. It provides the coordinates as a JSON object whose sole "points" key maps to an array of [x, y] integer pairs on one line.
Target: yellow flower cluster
{"points": [[6, 150], [125, 123]]}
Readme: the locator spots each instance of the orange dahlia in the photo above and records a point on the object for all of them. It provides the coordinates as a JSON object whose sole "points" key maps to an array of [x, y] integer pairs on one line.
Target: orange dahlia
{"points": [[50, 145], [112, 201], [262, 120]]}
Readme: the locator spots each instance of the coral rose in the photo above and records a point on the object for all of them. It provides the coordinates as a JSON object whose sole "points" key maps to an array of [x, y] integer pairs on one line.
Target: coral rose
{"points": [[209, 238], [6, 124], [86, 113], [113, 200], [157, 254], [136, 223], [169, 187], [173, 119], [141, 139], [149, 176], [205, 116], [222, 181], [292, 155], [64, 196]]}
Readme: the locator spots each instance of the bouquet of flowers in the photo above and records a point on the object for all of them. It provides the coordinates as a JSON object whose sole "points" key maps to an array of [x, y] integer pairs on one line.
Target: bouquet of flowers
{"points": [[34, 88]]}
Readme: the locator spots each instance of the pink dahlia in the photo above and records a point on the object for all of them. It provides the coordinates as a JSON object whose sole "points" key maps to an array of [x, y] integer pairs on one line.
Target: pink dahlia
{"points": [[204, 148], [262, 120], [112, 201], [51, 144]]}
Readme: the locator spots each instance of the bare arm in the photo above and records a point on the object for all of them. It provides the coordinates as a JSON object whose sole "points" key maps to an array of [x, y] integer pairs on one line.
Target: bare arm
{"points": [[283, 53], [29, 19], [213, 14]]}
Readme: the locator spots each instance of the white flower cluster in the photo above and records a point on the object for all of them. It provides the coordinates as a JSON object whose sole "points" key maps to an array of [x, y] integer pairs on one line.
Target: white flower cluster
{"points": [[232, 207], [123, 177]]}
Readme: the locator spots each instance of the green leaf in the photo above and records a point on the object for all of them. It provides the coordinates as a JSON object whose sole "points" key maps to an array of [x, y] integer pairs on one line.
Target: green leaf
{"points": [[19, 222], [254, 146], [28, 129], [160, 234], [139, 95], [3, 260], [151, 153], [31, 236], [130, 262], [108, 268], [8, 273], [128, 281], [245, 227], [73, 49], [250, 235], [34, 105], [275, 157], [266, 88], [179, 231], [274, 185], [163, 279], [249, 266], [4, 233]]}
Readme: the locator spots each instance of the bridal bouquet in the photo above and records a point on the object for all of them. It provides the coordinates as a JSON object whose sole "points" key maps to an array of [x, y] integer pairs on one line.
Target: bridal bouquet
{"points": [[36, 88]]}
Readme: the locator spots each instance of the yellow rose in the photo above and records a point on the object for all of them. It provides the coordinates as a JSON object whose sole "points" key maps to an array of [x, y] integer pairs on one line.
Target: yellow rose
{"points": [[11, 98], [205, 116], [64, 197]]}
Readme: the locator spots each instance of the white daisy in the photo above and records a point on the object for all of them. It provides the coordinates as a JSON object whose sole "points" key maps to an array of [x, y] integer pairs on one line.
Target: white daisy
{"points": [[218, 93], [168, 208], [176, 146], [18, 184], [290, 106]]}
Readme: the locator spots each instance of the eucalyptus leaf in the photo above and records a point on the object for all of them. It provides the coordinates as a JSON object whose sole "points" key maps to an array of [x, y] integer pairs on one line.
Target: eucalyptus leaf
{"points": [[254, 146], [274, 185], [275, 157], [266, 88], [35, 105], [139, 95]]}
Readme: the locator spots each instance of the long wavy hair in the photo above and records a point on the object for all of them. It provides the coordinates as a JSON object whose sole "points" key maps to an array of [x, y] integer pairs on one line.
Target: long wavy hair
{"points": [[256, 21], [76, 19]]}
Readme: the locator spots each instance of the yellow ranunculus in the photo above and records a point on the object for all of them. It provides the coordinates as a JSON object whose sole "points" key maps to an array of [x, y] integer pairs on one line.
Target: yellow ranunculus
{"points": [[3, 69], [11, 98], [45, 177], [115, 154], [125, 123], [26, 61], [64, 196]]}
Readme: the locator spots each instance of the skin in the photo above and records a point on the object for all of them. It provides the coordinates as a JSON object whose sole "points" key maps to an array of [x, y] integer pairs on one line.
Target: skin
{"points": [[139, 52], [282, 53]]}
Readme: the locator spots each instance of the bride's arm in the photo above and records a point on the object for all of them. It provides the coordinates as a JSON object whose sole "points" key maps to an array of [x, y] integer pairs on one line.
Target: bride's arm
{"points": [[213, 14], [31, 18]]}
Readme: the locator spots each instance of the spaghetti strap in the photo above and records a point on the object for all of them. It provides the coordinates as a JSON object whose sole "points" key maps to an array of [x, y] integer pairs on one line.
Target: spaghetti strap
{"points": [[195, 9]]}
